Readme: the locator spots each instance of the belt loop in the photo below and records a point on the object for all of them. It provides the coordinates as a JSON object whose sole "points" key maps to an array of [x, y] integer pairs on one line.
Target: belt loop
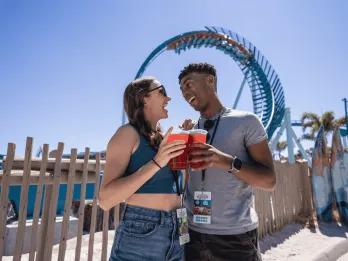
{"points": [[162, 218], [124, 206]]}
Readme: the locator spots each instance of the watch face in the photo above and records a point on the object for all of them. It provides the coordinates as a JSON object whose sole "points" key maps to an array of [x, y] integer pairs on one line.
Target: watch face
{"points": [[237, 163]]}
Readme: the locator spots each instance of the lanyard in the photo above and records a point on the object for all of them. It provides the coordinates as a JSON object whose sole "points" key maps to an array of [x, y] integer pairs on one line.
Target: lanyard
{"points": [[210, 142], [176, 179], [181, 190]]}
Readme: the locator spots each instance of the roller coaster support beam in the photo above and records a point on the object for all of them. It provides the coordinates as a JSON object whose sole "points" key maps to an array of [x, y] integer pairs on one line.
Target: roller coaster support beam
{"points": [[290, 139], [240, 91]]}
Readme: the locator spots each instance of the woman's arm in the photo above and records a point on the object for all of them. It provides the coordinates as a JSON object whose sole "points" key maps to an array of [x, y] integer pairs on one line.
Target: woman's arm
{"points": [[115, 188]]}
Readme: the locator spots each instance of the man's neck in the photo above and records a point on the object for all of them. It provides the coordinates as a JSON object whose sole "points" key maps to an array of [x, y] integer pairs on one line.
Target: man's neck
{"points": [[212, 110]]}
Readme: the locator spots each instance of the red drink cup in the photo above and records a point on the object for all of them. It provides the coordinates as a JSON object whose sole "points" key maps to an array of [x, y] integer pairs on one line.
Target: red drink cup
{"points": [[179, 162], [197, 136]]}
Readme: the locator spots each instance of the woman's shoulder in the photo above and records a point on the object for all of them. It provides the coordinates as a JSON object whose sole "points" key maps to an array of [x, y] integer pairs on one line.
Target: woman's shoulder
{"points": [[126, 135], [128, 129]]}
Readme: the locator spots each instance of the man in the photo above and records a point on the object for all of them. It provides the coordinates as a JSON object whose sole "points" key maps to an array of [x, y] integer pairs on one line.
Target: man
{"points": [[219, 197]]}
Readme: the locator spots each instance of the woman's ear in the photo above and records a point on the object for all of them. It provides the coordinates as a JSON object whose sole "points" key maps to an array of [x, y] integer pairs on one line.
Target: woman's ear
{"points": [[146, 100]]}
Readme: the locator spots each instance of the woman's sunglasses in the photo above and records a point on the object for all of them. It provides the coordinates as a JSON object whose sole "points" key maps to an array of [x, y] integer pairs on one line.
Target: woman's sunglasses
{"points": [[162, 90]]}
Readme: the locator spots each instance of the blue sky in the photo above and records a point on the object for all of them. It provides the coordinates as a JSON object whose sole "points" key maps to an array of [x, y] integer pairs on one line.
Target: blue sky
{"points": [[64, 64]]}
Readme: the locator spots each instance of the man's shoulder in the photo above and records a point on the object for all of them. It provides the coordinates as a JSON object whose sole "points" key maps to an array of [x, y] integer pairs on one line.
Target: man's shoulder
{"points": [[240, 115]]}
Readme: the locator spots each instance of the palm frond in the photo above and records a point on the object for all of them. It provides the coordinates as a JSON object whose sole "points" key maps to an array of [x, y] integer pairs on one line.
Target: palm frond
{"points": [[310, 120], [341, 121], [281, 145], [328, 120]]}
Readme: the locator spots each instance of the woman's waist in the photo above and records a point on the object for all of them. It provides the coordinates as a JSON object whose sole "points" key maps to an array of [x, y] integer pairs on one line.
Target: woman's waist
{"points": [[138, 216], [161, 202]]}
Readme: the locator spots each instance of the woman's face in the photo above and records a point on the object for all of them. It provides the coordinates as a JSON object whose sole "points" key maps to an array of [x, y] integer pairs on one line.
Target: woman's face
{"points": [[156, 101]]}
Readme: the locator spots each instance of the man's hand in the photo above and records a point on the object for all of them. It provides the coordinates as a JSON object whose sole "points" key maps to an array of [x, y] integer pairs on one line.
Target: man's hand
{"points": [[258, 173], [210, 156], [187, 124]]}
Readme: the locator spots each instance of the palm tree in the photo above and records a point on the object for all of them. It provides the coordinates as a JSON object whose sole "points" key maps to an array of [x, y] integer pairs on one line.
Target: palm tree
{"points": [[281, 145], [313, 121]]}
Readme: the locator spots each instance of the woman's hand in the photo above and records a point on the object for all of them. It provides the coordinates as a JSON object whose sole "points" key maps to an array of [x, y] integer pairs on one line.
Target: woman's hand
{"points": [[170, 150], [187, 124]]}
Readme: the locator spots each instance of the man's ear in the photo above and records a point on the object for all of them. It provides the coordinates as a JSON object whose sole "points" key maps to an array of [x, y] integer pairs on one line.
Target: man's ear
{"points": [[211, 81]]}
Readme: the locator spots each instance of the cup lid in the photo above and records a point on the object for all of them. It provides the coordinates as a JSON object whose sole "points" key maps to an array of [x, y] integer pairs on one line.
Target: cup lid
{"points": [[180, 132], [198, 131]]}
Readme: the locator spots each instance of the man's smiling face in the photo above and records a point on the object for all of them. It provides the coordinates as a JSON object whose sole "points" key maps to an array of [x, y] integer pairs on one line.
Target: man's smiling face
{"points": [[196, 90]]}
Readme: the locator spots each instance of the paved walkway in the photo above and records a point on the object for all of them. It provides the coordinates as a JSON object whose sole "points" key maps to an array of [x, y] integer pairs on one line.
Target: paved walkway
{"points": [[71, 245], [343, 258], [328, 242]]}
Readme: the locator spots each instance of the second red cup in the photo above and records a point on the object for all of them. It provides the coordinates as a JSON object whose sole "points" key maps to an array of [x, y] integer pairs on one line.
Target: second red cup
{"points": [[179, 162], [197, 136]]}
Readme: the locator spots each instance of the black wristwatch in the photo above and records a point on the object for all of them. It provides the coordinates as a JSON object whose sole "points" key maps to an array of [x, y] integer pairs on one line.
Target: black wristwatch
{"points": [[236, 165]]}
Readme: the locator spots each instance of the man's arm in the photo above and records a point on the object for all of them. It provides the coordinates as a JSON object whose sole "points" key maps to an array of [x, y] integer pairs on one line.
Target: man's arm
{"points": [[260, 173]]}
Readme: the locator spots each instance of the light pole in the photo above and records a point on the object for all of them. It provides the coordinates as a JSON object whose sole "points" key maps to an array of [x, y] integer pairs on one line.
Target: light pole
{"points": [[345, 109]]}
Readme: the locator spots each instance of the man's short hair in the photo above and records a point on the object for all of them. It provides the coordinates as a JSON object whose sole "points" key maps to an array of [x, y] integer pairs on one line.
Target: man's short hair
{"points": [[197, 68]]}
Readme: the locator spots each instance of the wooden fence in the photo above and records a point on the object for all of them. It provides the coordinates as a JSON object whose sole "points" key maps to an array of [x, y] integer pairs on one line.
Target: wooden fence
{"points": [[291, 198], [48, 174]]}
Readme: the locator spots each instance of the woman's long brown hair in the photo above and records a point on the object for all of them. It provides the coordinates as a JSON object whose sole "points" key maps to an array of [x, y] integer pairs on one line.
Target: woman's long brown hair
{"points": [[133, 102]]}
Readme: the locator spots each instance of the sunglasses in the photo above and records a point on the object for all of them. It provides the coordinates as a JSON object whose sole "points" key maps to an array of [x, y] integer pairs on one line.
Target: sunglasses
{"points": [[162, 90]]}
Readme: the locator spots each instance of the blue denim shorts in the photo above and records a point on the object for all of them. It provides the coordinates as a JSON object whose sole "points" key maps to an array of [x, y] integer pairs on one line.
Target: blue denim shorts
{"points": [[147, 234]]}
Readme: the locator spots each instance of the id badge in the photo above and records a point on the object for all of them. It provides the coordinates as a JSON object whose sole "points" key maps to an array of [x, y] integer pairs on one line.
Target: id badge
{"points": [[202, 207], [181, 215]]}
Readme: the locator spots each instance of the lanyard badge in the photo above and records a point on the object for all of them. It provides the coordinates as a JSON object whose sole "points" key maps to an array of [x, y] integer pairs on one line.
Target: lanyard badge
{"points": [[202, 207], [184, 236], [181, 216]]}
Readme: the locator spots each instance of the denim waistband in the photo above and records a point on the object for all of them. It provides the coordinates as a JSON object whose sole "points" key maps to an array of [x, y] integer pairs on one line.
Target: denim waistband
{"points": [[147, 214]]}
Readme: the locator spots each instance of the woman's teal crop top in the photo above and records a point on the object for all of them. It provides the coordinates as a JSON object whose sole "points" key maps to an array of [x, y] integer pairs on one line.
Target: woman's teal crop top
{"points": [[164, 179]]}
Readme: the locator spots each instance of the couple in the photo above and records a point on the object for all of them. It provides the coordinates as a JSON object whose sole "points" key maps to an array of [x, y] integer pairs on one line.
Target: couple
{"points": [[236, 158]]}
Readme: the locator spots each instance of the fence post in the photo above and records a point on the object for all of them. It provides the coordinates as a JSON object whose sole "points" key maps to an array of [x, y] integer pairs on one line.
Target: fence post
{"points": [[34, 231], [82, 206], [94, 208], [105, 235], [53, 204], [11, 148], [67, 205], [23, 203]]}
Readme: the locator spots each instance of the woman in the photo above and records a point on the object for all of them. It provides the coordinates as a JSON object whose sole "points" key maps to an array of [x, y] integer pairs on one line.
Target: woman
{"points": [[136, 172]]}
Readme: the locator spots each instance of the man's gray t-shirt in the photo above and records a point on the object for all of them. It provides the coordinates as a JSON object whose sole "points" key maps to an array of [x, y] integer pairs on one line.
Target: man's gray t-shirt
{"points": [[232, 199]]}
